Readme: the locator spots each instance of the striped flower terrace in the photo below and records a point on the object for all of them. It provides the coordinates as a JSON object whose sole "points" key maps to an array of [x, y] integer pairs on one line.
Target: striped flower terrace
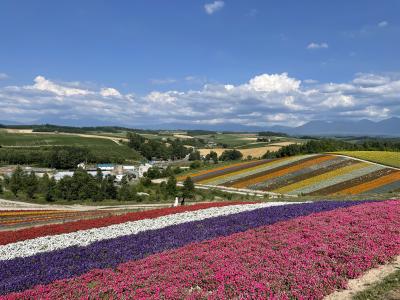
{"points": [[312, 174], [217, 250]]}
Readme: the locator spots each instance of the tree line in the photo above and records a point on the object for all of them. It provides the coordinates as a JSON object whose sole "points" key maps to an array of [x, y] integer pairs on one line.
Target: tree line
{"points": [[60, 157], [82, 186]]}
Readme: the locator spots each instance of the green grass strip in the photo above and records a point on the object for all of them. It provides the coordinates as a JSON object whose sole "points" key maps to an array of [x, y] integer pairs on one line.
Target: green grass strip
{"points": [[388, 288]]}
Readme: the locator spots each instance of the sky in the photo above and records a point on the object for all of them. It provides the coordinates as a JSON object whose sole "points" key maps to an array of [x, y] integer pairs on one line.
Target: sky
{"points": [[198, 63]]}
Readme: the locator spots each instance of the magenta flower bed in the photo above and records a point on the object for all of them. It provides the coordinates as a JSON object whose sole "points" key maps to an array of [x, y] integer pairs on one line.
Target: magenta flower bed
{"points": [[307, 257]]}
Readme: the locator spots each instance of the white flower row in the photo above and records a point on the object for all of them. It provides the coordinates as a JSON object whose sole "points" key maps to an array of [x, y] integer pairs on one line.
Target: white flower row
{"points": [[86, 237], [337, 179]]}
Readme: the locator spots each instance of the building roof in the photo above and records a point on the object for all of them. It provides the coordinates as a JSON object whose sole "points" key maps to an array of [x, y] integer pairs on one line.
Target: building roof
{"points": [[105, 165]]}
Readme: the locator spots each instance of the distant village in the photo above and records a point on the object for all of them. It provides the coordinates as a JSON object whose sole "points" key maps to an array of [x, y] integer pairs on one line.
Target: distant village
{"points": [[133, 172]]}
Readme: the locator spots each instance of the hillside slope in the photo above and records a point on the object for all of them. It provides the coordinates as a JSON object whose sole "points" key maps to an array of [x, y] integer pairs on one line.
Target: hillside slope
{"points": [[314, 174]]}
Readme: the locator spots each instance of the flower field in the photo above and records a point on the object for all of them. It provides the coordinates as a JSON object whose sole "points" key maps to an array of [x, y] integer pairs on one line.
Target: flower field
{"points": [[16, 219], [314, 174], [270, 250]]}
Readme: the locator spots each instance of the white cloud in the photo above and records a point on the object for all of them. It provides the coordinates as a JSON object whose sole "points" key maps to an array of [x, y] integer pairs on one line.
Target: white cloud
{"points": [[369, 112], [211, 8], [383, 24], [368, 79], [3, 76], [280, 83], [263, 100], [161, 98], [338, 100], [318, 45], [110, 92], [42, 84]]}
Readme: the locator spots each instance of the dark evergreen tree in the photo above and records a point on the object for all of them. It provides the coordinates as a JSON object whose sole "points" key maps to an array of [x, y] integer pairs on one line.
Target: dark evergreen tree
{"points": [[188, 190], [16, 181], [50, 192], [30, 185], [171, 186]]}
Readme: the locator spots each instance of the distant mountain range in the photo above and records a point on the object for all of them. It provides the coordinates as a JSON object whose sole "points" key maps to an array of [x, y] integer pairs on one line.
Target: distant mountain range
{"points": [[388, 127]]}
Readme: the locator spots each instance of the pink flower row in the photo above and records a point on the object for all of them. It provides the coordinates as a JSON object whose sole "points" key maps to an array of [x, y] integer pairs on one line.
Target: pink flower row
{"points": [[303, 258]]}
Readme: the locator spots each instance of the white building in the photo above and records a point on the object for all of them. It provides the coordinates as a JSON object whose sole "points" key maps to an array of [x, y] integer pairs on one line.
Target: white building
{"points": [[143, 169], [106, 167], [60, 175]]}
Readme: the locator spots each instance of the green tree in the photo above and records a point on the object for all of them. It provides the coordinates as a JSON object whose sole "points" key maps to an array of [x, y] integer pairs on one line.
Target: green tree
{"points": [[171, 186], [214, 157], [196, 164], [195, 155], [50, 192], [231, 155], [124, 192], [99, 176], [188, 188], [135, 140], [1, 186], [30, 185], [153, 172], [145, 181], [108, 187], [43, 183], [16, 181], [68, 157]]}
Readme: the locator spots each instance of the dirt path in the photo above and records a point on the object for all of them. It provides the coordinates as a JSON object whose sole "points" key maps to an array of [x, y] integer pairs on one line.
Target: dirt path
{"points": [[360, 284]]}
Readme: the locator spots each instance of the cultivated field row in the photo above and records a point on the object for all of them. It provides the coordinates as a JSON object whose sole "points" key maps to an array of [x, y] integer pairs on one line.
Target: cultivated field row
{"points": [[314, 174]]}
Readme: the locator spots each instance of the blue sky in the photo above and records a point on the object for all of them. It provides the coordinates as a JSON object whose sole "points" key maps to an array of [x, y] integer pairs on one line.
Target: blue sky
{"points": [[256, 63]]}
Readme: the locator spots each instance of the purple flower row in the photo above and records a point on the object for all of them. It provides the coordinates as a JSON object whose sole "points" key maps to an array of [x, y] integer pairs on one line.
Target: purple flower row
{"points": [[23, 273]]}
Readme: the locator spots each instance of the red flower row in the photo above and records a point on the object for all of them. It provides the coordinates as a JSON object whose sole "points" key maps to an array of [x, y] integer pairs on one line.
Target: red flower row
{"points": [[8, 237]]}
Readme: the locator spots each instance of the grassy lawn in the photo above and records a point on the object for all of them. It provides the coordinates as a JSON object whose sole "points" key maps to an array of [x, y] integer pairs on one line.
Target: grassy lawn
{"points": [[32, 139], [382, 157], [98, 146], [387, 289]]}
